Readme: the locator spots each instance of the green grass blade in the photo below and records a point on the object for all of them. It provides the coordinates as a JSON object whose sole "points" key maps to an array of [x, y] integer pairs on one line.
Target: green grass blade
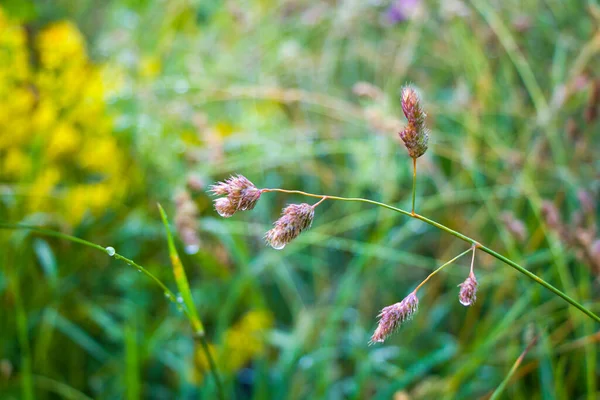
{"points": [[23, 338], [62, 389], [181, 279], [186, 295], [133, 381], [498, 392]]}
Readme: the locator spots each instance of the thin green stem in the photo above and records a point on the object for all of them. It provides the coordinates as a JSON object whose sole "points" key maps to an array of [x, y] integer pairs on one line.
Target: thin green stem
{"points": [[473, 260], [117, 256], [212, 365], [320, 196], [184, 288], [414, 188], [181, 279], [459, 235], [442, 267], [319, 202], [23, 339], [498, 392]]}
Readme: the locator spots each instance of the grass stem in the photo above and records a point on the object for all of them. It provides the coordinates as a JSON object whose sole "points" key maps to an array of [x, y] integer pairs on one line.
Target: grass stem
{"points": [[459, 235], [443, 266], [498, 392], [212, 365], [48, 232]]}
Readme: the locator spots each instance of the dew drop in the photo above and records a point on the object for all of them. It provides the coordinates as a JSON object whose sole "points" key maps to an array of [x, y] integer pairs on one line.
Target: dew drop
{"points": [[278, 246], [465, 302], [192, 248], [167, 296], [110, 251], [179, 299], [224, 214]]}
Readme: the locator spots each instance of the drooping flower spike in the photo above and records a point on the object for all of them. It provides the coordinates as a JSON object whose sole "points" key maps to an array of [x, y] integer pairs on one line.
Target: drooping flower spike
{"points": [[468, 289], [391, 317], [294, 219]]}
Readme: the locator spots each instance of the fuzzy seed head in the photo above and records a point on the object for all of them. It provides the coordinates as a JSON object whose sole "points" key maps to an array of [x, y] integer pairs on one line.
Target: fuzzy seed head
{"points": [[468, 291], [220, 189], [391, 317], [294, 219], [224, 207], [411, 104], [414, 135], [415, 139], [241, 195]]}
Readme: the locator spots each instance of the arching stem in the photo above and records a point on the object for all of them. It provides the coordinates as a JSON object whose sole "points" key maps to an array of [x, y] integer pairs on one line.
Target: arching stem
{"points": [[442, 267], [459, 235]]}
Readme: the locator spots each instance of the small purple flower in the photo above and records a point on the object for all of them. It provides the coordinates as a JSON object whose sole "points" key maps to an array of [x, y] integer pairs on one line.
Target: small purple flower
{"points": [[401, 10]]}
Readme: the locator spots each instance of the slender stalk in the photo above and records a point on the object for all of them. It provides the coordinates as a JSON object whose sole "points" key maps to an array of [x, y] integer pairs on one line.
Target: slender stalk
{"points": [[443, 266], [473, 260], [459, 235], [320, 196], [184, 288], [319, 202], [70, 238], [181, 279], [498, 392], [414, 188], [23, 338], [212, 365]]}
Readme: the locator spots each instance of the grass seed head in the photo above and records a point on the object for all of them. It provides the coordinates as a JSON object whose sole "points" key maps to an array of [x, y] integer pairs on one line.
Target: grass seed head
{"points": [[224, 207], [414, 135], [294, 219], [391, 317], [241, 195], [468, 291]]}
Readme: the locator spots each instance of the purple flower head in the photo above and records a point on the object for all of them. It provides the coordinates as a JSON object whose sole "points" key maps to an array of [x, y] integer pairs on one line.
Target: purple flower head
{"points": [[401, 10]]}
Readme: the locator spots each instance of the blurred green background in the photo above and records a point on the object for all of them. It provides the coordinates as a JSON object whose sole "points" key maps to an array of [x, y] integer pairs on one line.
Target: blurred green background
{"points": [[108, 107]]}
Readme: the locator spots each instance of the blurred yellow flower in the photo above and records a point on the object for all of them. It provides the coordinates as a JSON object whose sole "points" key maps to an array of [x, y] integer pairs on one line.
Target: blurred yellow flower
{"points": [[56, 135], [149, 67], [16, 164], [61, 44], [242, 342], [41, 189], [63, 140]]}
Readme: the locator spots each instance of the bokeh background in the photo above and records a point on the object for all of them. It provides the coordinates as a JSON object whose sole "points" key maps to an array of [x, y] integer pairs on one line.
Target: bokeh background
{"points": [[108, 107]]}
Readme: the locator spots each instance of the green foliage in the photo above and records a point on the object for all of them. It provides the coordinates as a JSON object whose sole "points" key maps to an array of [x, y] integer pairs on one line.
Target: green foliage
{"points": [[193, 91]]}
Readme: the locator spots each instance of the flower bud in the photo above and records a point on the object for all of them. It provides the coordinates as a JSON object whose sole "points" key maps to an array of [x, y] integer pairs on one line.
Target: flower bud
{"points": [[391, 317], [241, 195], [294, 219], [468, 291]]}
